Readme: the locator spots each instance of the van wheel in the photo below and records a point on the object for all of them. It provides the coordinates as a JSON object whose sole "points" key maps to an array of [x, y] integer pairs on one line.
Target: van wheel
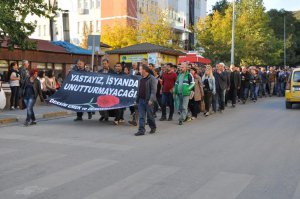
{"points": [[288, 105]]}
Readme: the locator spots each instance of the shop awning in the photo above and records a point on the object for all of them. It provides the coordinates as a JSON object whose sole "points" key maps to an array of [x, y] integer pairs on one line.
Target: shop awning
{"points": [[194, 58]]}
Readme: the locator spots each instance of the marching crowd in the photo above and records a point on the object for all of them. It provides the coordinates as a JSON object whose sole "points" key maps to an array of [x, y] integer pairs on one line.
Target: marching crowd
{"points": [[189, 89]]}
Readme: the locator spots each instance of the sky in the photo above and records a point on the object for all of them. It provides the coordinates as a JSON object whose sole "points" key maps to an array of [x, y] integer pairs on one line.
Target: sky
{"points": [[290, 5]]}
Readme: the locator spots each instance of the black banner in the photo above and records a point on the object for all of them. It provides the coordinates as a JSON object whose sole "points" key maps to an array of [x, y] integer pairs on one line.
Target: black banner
{"points": [[89, 92]]}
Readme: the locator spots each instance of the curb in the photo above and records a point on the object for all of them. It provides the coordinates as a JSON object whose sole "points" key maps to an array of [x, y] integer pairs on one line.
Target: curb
{"points": [[8, 120], [55, 114]]}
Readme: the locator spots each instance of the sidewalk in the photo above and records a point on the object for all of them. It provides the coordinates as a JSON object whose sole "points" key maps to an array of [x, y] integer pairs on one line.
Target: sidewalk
{"points": [[41, 112]]}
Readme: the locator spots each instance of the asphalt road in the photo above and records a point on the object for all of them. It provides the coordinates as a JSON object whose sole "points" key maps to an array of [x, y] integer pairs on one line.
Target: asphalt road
{"points": [[251, 152]]}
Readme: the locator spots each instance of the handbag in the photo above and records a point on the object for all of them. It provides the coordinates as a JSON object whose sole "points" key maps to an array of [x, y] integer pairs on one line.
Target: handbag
{"points": [[2, 99]]}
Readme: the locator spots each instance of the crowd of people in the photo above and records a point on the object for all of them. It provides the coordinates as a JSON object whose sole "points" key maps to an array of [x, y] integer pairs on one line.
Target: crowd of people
{"points": [[26, 85], [186, 89], [190, 90]]}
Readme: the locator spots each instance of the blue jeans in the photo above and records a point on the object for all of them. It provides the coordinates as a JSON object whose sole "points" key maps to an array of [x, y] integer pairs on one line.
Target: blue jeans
{"points": [[183, 106], [144, 109], [167, 100], [263, 90], [281, 91], [245, 93], [254, 91], [29, 102]]}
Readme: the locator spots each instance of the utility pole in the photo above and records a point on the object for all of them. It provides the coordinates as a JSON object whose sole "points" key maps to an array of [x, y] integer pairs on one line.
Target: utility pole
{"points": [[284, 39], [233, 30], [52, 3]]}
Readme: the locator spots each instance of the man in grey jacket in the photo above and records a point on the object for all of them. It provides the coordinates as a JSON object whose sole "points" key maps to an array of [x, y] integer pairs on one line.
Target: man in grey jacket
{"points": [[146, 97]]}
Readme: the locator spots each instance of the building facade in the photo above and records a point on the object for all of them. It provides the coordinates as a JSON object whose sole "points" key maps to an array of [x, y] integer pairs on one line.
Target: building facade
{"points": [[80, 17]]}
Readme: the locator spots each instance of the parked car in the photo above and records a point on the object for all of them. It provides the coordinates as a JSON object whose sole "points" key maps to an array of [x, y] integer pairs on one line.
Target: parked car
{"points": [[292, 92]]}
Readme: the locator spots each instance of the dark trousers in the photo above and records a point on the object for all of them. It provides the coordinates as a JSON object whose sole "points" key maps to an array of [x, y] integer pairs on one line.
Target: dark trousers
{"points": [[244, 93], [29, 102], [207, 100], [157, 104], [144, 109], [194, 106], [233, 95], [14, 98], [221, 98], [80, 114], [104, 114], [214, 102], [167, 100], [119, 114]]}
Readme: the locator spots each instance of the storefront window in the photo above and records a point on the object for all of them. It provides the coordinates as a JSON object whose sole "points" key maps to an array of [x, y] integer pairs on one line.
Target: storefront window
{"points": [[3, 65]]}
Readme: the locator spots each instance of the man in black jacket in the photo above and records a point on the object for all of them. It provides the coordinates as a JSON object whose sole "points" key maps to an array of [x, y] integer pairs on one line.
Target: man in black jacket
{"points": [[235, 84], [80, 67], [146, 97], [221, 84], [245, 84], [106, 70]]}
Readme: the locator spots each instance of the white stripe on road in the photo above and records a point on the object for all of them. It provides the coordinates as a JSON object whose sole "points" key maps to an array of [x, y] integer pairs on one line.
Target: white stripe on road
{"points": [[134, 184], [21, 164], [297, 192], [65, 141], [223, 186], [37, 186], [4, 151]]}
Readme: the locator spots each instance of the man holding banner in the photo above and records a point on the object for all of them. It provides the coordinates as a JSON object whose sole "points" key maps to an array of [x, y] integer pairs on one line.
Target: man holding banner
{"points": [[80, 67], [146, 96]]}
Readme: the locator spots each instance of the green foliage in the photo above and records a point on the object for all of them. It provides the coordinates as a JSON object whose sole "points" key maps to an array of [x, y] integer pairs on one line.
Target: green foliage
{"points": [[292, 33], [13, 25], [220, 6], [255, 42]]}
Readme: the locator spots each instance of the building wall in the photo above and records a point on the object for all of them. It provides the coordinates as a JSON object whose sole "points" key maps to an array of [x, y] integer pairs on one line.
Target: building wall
{"points": [[95, 14]]}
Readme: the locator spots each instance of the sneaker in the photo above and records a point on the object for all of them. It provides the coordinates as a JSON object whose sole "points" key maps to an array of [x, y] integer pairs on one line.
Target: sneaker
{"points": [[193, 118], [170, 119], [188, 119], [17, 107], [12, 108], [206, 114], [26, 123], [121, 121], [163, 119], [139, 134], [33, 123], [233, 105], [78, 119], [132, 123], [180, 123], [116, 122], [152, 131]]}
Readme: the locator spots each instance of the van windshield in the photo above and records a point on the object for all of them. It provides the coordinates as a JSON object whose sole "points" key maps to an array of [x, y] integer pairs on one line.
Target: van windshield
{"points": [[296, 76]]}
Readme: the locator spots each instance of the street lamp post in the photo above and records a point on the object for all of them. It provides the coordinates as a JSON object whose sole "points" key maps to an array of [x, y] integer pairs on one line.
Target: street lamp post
{"points": [[284, 39], [52, 3], [233, 30]]}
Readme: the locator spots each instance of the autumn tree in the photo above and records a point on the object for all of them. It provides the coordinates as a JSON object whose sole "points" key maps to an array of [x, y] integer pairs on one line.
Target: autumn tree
{"points": [[86, 31], [155, 29], [13, 25], [255, 42], [119, 36]]}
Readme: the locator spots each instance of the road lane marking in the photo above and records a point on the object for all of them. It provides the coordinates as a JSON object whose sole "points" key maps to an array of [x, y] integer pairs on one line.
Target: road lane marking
{"points": [[223, 186], [21, 164], [65, 141], [134, 184], [297, 192], [40, 185], [4, 151]]}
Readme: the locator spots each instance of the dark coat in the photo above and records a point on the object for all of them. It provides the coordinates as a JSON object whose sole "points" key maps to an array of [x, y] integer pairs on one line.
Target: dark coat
{"points": [[36, 88], [235, 79], [228, 82], [151, 89], [110, 71], [221, 80], [245, 80]]}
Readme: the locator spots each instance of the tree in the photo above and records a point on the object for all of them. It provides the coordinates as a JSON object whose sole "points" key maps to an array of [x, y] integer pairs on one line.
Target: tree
{"points": [[255, 42], [155, 29], [119, 36], [292, 33], [220, 6], [13, 26], [86, 31]]}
